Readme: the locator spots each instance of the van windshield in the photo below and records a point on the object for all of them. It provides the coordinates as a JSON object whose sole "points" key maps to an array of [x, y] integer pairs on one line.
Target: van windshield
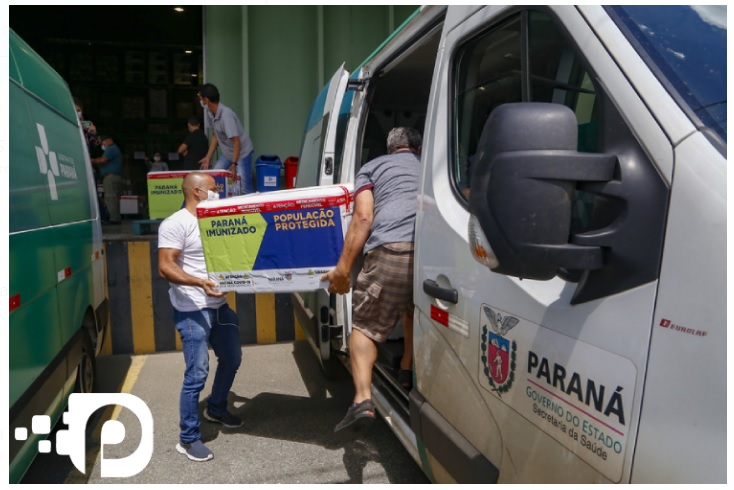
{"points": [[686, 46]]}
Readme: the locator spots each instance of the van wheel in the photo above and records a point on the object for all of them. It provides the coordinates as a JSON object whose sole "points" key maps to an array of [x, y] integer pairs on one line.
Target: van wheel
{"points": [[86, 375]]}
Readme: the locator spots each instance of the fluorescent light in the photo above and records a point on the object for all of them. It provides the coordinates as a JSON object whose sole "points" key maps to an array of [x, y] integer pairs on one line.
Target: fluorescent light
{"points": [[178, 9], [188, 51]]}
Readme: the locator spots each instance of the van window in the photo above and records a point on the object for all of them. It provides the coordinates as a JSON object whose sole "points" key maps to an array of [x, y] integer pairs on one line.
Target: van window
{"points": [[494, 68], [341, 133], [311, 151], [489, 74]]}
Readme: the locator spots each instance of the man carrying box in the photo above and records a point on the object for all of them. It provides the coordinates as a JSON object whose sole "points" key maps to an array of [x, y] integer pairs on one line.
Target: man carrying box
{"points": [[383, 228], [202, 317]]}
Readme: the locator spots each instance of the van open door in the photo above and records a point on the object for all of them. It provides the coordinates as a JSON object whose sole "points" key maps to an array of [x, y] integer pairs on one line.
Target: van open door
{"points": [[317, 164]]}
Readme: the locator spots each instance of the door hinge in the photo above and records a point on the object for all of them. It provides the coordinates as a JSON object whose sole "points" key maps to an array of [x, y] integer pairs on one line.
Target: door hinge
{"points": [[357, 84]]}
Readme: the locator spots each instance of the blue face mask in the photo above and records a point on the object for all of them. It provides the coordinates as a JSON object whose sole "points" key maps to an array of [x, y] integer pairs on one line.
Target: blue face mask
{"points": [[104, 147]]}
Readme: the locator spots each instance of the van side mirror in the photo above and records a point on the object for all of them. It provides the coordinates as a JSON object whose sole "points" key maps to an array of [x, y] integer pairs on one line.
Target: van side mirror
{"points": [[522, 187]]}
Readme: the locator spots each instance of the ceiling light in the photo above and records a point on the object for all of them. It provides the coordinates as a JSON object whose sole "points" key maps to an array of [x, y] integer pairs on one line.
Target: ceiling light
{"points": [[178, 9], [188, 51]]}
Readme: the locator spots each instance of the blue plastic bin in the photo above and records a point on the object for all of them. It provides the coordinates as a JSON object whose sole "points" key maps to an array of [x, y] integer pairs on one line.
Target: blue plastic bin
{"points": [[268, 173]]}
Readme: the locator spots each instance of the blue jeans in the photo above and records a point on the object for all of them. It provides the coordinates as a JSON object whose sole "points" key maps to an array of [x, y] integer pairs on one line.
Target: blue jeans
{"points": [[244, 170], [220, 328]]}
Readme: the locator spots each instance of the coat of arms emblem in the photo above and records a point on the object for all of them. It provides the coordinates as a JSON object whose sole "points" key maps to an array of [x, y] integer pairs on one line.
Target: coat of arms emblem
{"points": [[498, 352]]}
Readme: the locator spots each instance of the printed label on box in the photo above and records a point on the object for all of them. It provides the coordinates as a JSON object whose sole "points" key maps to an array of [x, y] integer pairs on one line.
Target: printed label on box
{"points": [[273, 246], [165, 195]]}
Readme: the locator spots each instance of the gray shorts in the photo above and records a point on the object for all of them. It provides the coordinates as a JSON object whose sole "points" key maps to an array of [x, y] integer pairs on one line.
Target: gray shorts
{"points": [[383, 290]]}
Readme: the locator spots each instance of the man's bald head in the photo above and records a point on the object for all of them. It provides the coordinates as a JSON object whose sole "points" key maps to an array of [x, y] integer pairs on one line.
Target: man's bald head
{"points": [[195, 188], [197, 180]]}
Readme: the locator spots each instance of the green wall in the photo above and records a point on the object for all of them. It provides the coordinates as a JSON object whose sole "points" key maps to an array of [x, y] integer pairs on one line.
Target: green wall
{"points": [[269, 62]]}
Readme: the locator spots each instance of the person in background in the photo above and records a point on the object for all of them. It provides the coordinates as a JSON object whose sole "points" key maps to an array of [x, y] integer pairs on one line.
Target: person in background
{"points": [[195, 145], [94, 148], [94, 143], [157, 165], [229, 135], [110, 168], [383, 229], [202, 317]]}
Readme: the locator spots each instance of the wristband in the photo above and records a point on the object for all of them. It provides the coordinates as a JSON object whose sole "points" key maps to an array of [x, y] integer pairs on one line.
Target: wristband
{"points": [[234, 163]]}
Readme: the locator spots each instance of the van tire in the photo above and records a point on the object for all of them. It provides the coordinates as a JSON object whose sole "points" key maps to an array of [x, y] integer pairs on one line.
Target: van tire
{"points": [[86, 375]]}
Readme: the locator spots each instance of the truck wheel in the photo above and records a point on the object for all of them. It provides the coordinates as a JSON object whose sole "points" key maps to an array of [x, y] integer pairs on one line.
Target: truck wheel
{"points": [[86, 375]]}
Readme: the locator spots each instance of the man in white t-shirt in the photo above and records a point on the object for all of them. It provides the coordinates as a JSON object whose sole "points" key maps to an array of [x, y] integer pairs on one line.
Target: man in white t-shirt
{"points": [[202, 317]]}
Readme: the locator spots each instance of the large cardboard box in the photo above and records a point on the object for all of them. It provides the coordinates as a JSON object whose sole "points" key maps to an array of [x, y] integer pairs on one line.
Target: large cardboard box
{"points": [[165, 196], [281, 241]]}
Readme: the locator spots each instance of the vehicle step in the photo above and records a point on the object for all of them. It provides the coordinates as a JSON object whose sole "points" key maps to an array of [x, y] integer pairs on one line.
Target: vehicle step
{"points": [[384, 377]]}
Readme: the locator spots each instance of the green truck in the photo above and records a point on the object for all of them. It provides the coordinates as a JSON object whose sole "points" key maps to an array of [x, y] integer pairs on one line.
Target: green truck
{"points": [[58, 307]]}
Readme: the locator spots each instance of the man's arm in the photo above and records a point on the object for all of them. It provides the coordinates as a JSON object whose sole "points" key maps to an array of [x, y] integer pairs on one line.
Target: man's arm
{"points": [[235, 153], [182, 149], [212, 146], [169, 269], [357, 235]]}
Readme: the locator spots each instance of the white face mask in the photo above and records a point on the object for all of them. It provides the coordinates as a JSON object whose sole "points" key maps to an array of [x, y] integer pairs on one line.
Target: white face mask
{"points": [[203, 104], [79, 113], [211, 196], [104, 147], [157, 158]]}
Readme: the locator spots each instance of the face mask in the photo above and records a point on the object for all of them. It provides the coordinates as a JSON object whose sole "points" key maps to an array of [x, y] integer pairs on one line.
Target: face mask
{"points": [[104, 147], [203, 104], [79, 113], [157, 158], [211, 196]]}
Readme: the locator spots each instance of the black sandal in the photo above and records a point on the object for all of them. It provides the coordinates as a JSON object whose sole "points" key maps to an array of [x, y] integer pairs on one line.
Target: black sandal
{"points": [[405, 378]]}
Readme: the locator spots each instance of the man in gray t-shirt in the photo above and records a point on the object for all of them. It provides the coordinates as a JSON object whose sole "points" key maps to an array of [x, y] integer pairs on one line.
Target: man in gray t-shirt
{"points": [[395, 197], [383, 226], [229, 135]]}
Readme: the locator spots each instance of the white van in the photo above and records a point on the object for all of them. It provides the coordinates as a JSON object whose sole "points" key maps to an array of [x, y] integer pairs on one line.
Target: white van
{"points": [[570, 286]]}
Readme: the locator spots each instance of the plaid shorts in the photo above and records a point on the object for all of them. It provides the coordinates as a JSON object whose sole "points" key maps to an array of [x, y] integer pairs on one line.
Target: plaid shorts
{"points": [[383, 290]]}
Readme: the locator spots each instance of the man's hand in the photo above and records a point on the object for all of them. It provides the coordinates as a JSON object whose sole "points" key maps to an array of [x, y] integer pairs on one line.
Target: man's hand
{"points": [[169, 269], [339, 281], [210, 288], [204, 163], [356, 237], [233, 169]]}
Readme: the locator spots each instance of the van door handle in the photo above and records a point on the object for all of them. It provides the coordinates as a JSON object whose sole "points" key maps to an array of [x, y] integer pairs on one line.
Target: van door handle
{"points": [[432, 288], [329, 166]]}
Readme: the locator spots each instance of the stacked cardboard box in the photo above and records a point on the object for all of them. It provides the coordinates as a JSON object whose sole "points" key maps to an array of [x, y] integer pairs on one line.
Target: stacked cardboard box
{"points": [[165, 195]]}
